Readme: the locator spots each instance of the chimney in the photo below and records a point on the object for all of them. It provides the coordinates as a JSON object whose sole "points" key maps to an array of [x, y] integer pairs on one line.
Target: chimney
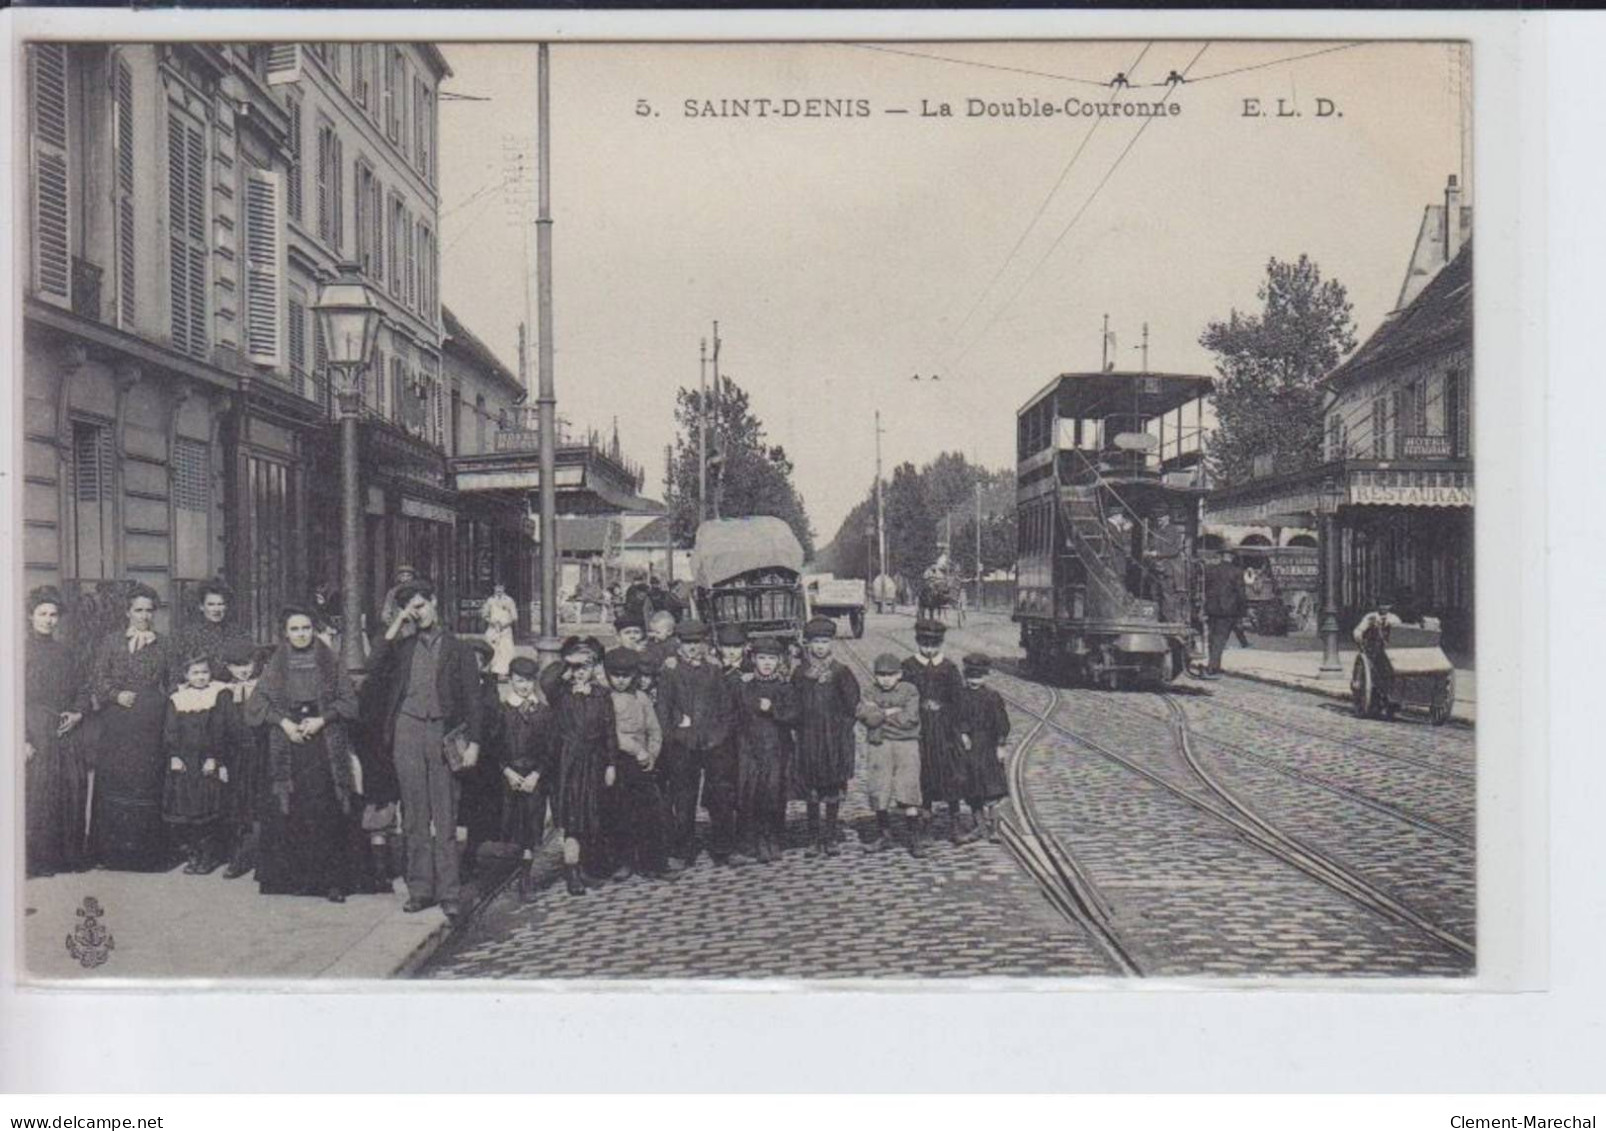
{"points": [[1454, 230]]}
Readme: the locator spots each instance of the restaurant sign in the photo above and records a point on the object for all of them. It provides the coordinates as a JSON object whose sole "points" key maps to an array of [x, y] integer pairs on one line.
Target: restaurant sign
{"points": [[1398, 488]]}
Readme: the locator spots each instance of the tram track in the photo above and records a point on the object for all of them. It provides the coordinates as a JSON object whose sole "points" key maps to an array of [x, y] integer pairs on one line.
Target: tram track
{"points": [[1220, 804], [1062, 881]]}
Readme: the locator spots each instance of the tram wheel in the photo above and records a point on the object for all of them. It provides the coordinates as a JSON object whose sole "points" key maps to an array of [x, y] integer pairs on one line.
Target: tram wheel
{"points": [[856, 622], [1361, 689]]}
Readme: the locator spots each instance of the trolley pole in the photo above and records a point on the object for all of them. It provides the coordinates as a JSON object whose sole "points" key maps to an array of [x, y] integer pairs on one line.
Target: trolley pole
{"points": [[547, 644], [702, 430]]}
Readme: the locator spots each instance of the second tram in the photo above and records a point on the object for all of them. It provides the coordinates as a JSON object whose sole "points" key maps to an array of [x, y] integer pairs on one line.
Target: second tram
{"points": [[1108, 483]]}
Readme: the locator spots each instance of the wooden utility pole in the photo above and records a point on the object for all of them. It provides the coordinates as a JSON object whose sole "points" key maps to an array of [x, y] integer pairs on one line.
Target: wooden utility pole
{"points": [[978, 543], [880, 510], [1145, 347], [702, 430], [1104, 346], [720, 454]]}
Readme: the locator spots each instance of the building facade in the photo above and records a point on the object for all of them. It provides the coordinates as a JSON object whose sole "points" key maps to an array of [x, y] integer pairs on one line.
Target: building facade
{"points": [[1395, 489]]}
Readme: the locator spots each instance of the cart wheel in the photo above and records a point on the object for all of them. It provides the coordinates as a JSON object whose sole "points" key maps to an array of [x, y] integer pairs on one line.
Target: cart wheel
{"points": [[1360, 688], [856, 620], [1443, 701]]}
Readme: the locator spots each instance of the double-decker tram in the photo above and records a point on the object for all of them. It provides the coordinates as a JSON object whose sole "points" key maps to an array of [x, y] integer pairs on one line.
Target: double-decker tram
{"points": [[1108, 483]]}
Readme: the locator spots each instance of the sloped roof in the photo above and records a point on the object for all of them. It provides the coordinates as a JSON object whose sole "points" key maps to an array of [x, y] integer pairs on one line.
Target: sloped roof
{"points": [[461, 340], [585, 534], [1438, 319], [655, 533]]}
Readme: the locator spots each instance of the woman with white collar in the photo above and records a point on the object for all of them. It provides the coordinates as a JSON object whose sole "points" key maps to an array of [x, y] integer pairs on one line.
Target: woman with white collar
{"points": [[131, 684]]}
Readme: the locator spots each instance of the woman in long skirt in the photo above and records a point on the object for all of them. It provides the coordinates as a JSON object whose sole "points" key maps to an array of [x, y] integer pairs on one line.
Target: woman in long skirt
{"points": [[307, 702], [57, 775], [131, 682]]}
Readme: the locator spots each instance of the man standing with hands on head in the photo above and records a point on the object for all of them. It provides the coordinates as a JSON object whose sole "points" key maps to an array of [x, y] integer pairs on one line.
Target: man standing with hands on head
{"points": [[432, 691]]}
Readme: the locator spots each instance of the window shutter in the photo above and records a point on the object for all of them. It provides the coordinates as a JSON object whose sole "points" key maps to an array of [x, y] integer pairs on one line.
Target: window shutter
{"points": [[52, 212], [264, 267], [92, 462], [389, 97], [293, 189], [320, 364], [411, 277], [123, 101], [325, 138], [337, 226], [377, 228], [192, 478], [195, 175], [296, 320], [284, 63], [186, 187]]}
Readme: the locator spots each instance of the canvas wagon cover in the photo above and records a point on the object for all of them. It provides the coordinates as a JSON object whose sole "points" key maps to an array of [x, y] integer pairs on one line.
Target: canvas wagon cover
{"points": [[730, 546]]}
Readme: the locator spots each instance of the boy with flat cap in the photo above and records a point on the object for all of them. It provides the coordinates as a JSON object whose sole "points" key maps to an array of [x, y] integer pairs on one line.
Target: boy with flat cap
{"points": [[985, 722], [631, 629], [942, 746], [827, 698], [890, 712], [765, 751], [632, 805], [694, 709]]}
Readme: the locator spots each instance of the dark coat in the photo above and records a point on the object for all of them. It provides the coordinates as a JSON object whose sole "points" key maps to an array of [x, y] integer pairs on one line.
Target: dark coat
{"points": [[703, 695], [456, 679], [1225, 595]]}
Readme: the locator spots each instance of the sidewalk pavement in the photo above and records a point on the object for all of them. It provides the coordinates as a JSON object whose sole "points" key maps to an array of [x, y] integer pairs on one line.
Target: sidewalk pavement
{"points": [[1299, 670], [169, 925]]}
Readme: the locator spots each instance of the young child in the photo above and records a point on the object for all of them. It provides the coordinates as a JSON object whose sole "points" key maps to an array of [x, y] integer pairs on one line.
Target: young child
{"points": [[587, 748], [983, 719], [647, 669], [661, 644], [765, 751], [631, 631], [479, 807], [942, 747], [247, 788], [696, 712], [200, 734], [522, 735], [827, 697], [634, 806], [890, 713]]}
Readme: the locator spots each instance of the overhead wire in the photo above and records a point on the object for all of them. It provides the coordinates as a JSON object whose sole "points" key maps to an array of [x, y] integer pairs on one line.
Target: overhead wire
{"points": [[953, 336], [1080, 212]]}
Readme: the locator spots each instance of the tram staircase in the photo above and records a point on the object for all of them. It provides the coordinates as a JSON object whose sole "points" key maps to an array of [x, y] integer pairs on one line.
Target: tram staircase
{"points": [[1091, 534]]}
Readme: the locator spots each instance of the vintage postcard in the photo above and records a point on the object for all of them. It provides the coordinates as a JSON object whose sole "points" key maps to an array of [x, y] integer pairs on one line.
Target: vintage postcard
{"points": [[854, 512]]}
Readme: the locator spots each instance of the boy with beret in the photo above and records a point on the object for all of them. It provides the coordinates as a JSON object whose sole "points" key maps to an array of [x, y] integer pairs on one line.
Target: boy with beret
{"points": [[890, 712], [827, 698], [694, 709], [765, 750], [521, 735]]}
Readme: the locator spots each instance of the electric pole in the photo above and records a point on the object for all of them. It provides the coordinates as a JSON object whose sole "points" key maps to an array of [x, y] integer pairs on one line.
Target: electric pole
{"points": [[547, 645], [880, 510], [719, 445], [702, 431], [978, 542], [1104, 347]]}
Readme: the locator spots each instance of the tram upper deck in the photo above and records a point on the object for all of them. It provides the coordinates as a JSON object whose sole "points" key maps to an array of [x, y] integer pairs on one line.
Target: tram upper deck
{"points": [[1084, 428]]}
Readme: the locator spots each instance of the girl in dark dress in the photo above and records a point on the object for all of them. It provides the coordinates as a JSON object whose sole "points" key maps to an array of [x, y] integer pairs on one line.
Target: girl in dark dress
{"points": [[248, 770], [57, 777], [131, 683], [307, 702], [943, 755], [827, 698], [201, 734], [587, 748], [984, 720]]}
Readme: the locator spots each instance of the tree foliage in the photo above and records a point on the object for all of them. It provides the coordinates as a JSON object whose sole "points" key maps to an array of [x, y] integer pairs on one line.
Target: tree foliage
{"points": [[747, 475], [919, 504], [1267, 399]]}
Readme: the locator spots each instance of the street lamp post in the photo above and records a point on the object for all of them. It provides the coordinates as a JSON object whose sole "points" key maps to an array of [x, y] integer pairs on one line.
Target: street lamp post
{"points": [[1330, 564], [350, 321]]}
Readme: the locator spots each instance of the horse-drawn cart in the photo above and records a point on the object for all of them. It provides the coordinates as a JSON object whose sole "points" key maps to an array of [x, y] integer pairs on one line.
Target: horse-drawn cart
{"points": [[748, 572], [1401, 666]]}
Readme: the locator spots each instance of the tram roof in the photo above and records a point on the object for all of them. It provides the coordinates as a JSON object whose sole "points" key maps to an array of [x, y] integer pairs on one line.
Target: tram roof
{"points": [[1089, 395]]}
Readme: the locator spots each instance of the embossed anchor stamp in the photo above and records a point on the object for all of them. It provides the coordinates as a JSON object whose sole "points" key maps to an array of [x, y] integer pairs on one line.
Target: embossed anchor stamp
{"points": [[90, 943]]}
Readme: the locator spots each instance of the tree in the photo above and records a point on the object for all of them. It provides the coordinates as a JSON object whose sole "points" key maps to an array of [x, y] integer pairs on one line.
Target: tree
{"points": [[1267, 399], [747, 474]]}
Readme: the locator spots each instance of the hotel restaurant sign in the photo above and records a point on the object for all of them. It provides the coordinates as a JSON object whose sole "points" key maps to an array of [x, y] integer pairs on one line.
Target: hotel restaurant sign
{"points": [[1370, 487]]}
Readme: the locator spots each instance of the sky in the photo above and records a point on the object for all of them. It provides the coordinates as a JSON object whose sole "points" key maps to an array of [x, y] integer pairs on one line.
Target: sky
{"points": [[843, 255]]}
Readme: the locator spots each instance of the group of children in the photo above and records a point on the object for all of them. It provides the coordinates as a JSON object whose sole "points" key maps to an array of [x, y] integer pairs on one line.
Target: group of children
{"points": [[622, 746]]}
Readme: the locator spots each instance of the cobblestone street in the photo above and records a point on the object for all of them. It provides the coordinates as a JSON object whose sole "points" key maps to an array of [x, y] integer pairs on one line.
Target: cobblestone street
{"points": [[1187, 893]]}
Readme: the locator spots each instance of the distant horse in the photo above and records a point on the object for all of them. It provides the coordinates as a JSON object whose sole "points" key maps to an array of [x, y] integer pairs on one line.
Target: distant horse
{"points": [[935, 597]]}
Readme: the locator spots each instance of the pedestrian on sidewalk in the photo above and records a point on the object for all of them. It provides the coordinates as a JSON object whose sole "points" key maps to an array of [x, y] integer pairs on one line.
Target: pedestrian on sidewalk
{"points": [[827, 699], [583, 725], [694, 709], [432, 691], [201, 733], [248, 794], [1226, 601], [307, 702], [890, 712], [55, 701], [765, 751], [634, 806], [984, 720], [210, 631], [131, 683], [943, 749], [500, 613], [521, 732]]}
